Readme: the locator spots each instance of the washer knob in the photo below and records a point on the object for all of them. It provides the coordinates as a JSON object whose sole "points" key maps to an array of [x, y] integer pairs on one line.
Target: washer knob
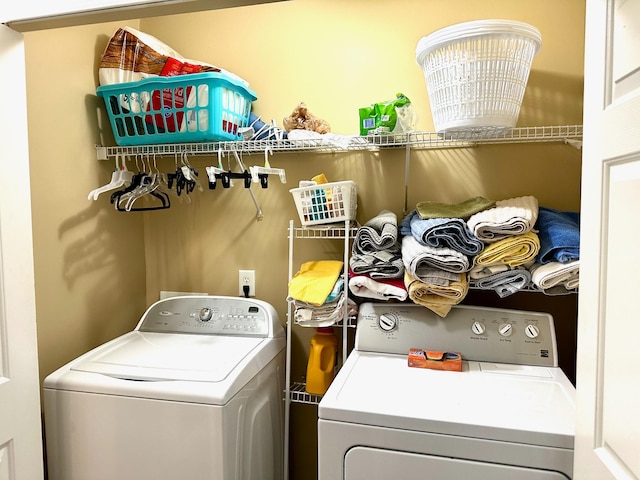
{"points": [[478, 328], [506, 329], [387, 322], [532, 331], [205, 314]]}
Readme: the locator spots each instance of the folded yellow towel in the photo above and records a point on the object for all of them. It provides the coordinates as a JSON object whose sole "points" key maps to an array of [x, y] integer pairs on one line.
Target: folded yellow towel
{"points": [[513, 251], [315, 280], [437, 298]]}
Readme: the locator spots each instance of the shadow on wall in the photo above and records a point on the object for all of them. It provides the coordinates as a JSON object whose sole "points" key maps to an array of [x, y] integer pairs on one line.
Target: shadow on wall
{"points": [[551, 99]]}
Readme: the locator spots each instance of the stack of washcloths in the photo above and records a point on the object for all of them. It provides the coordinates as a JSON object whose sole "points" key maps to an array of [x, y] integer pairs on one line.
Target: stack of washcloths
{"points": [[318, 293], [376, 268], [438, 249], [557, 266], [511, 245]]}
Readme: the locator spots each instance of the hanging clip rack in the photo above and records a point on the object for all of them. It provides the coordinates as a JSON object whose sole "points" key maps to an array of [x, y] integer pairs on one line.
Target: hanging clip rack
{"points": [[260, 174], [227, 176]]}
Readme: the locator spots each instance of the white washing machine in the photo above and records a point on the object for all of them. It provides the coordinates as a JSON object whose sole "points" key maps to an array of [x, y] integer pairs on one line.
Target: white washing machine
{"points": [[508, 414], [194, 392]]}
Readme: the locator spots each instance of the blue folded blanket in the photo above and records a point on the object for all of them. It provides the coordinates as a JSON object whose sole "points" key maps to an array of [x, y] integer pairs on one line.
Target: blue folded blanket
{"points": [[442, 232], [559, 234]]}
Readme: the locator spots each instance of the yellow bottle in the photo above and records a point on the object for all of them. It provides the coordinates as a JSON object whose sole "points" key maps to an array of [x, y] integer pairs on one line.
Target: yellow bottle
{"points": [[322, 360]]}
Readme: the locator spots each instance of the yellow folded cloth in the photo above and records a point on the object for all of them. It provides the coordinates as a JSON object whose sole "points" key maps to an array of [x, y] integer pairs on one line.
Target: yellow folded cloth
{"points": [[437, 298], [320, 178], [314, 281], [513, 251]]}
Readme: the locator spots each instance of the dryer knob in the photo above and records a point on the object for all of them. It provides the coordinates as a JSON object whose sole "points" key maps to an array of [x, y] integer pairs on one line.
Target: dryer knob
{"points": [[506, 329], [478, 328], [205, 314], [532, 331], [387, 322]]}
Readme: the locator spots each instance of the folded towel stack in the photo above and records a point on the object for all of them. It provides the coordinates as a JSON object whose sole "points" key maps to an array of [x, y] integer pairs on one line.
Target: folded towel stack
{"points": [[326, 315], [557, 267], [501, 278], [438, 250], [379, 233], [511, 245], [497, 239], [442, 232], [514, 216], [376, 258], [417, 257], [514, 250], [440, 295], [378, 289], [555, 278], [559, 234], [317, 291]]}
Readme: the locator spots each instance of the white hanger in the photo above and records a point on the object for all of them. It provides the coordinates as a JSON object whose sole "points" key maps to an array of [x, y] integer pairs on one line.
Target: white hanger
{"points": [[120, 177], [255, 170]]}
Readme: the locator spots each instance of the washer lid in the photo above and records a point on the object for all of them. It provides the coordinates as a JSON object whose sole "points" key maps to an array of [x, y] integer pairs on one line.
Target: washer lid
{"points": [[514, 403], [160, 356]]}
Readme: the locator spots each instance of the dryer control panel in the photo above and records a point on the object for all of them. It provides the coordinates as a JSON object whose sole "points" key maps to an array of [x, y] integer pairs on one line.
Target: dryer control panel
{"points": [[212, 315], [480, 333]]}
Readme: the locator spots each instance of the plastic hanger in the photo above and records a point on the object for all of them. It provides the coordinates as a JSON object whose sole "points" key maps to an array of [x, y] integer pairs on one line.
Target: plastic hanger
{"points": [[143, 184], [259, 174], [226, 176], [149, 185], [120, 177]]}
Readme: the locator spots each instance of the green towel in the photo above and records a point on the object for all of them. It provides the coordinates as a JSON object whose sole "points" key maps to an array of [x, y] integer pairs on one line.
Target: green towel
{"points": [[462, 210]]}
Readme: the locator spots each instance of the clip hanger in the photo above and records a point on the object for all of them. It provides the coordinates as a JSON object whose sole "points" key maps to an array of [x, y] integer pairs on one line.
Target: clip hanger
{"points": [[259, 174]]}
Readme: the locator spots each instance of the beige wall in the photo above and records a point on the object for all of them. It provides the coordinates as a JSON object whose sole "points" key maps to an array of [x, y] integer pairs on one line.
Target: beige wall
{"points": [[97, 269]]}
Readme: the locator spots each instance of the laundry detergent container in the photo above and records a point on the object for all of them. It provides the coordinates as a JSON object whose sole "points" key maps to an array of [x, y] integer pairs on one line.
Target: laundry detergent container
{"points": [[476, 74]]}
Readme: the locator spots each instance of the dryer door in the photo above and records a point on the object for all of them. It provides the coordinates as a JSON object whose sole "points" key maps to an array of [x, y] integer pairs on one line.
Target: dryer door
{"points": [[365, 463]]}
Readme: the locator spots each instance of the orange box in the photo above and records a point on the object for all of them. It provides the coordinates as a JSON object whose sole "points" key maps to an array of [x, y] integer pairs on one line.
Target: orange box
{"points": [[419, 358]]}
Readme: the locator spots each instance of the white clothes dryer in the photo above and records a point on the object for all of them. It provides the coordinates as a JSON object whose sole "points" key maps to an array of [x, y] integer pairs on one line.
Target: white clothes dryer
{"points": [[193, 392], [509, 413]]}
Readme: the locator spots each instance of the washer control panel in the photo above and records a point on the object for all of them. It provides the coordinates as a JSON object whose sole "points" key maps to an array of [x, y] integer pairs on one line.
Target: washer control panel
{"points": [[480, 333], [212, 315]]}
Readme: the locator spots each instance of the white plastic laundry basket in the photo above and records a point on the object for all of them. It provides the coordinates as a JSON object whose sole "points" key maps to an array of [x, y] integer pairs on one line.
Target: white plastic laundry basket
{"points": [[476, 74], [326, 202]]}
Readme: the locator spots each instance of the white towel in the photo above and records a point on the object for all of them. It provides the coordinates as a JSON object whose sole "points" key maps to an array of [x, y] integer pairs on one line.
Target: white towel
{"points": [[555, 274], [513, 216], [363, 286], [329, 314]]}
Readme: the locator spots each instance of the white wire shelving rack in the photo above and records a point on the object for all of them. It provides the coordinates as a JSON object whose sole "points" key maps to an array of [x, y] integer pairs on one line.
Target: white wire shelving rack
{"points": [[571, 134], [295, 391]]}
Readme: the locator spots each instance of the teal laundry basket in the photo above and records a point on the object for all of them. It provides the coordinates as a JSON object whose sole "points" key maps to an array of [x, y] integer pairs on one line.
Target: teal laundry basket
{"points": [[199, 107]]}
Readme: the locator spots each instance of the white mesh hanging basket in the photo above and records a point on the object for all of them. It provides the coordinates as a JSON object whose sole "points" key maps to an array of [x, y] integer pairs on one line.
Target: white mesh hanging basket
{"points": [[476, 74]]}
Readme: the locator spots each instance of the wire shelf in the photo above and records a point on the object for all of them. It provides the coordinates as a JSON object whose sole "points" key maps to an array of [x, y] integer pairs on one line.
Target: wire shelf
{"points": [[328, 231], [298, 394], [571, 134]]}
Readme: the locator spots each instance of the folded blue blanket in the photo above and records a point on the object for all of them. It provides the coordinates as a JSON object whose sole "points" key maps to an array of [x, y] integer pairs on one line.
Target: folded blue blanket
{"points": [[559, 234], [442, 232]]}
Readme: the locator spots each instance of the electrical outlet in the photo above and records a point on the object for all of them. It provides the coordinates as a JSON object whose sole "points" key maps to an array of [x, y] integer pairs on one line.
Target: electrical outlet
{"points": [[247, 278]]}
